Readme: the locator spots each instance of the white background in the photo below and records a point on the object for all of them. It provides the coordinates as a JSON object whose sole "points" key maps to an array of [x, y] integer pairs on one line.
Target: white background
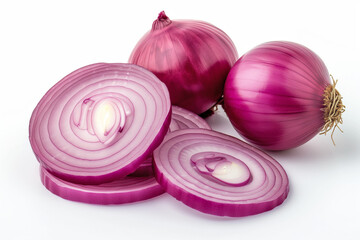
{"points": [[42, 41]]}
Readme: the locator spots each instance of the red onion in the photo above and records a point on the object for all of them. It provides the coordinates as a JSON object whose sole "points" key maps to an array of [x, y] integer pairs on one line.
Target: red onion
{"points": [[183, 119], [180, 119], [191, 57], [278, 96], [100, 122], [126, 190], [145, 168], [137, 186], [219, 174]]}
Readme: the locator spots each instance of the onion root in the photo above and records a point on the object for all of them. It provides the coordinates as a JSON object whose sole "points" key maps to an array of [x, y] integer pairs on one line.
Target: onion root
{"points": [[333, 109]]}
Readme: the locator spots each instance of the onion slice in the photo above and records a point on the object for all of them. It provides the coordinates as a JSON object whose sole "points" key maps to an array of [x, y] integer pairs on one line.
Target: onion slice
{"points": [[145, 168], [183, 119], [180, 119], [100, 122], [219, 174], [126, 190]]}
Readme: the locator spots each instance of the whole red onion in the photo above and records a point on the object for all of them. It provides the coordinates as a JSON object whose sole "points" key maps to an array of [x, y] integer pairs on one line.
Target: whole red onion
{"points": [[191, 57], [279, 96]]}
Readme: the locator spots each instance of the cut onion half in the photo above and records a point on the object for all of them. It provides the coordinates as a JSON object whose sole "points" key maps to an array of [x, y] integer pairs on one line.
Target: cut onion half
{"points": [[219, 174]]}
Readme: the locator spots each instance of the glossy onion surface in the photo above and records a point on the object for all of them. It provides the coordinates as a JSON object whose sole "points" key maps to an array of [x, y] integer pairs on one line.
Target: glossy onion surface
{"points": [[125, 190], [219, 174], [100, 122], [273, 95], [191, 57]]}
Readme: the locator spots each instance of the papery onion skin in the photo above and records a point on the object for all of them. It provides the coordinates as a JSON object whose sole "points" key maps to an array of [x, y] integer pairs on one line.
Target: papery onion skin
{"points": [[126, 190], [62, 131], [266, 187], [191, 57], [274, 95]]}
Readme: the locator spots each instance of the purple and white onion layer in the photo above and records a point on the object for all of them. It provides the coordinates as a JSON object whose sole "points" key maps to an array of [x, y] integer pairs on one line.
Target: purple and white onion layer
{"points": [[219, 174], [100, 122]]}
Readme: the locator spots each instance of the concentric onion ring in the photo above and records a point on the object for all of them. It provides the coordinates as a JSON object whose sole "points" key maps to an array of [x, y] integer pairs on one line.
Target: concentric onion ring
{"points": [[139, 185], [100, 122], [183, 119], [126, 190], [219, 174]]}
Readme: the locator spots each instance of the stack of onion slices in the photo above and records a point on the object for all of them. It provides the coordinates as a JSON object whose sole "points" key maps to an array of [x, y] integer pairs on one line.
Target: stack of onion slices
{"points": [[94, 133], [139, 185]]}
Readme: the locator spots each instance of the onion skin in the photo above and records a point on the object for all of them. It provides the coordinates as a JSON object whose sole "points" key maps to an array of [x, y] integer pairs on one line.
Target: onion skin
{"points": [[126, 190], [273, 95], [191, 57], [265, 188], [62, 129]]}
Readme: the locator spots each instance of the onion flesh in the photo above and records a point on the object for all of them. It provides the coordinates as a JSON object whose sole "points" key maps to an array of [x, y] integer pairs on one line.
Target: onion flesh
{"points": [[126, 190], [100, 122], [219, 174], [180, 119], [183, 119], [137, 186]]}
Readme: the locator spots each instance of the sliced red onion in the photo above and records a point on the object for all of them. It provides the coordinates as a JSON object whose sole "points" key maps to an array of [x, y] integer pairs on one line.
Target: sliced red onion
{"points": [[183, 119], [191, 57], [279, 96], [100, 122], [180, 119], [139, 185], [219, 174], [126, 190], [145, 168]]}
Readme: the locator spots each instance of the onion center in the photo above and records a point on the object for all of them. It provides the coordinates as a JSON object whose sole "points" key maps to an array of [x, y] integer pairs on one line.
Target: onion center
{"points": [[221, 167], [104, 118]]}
